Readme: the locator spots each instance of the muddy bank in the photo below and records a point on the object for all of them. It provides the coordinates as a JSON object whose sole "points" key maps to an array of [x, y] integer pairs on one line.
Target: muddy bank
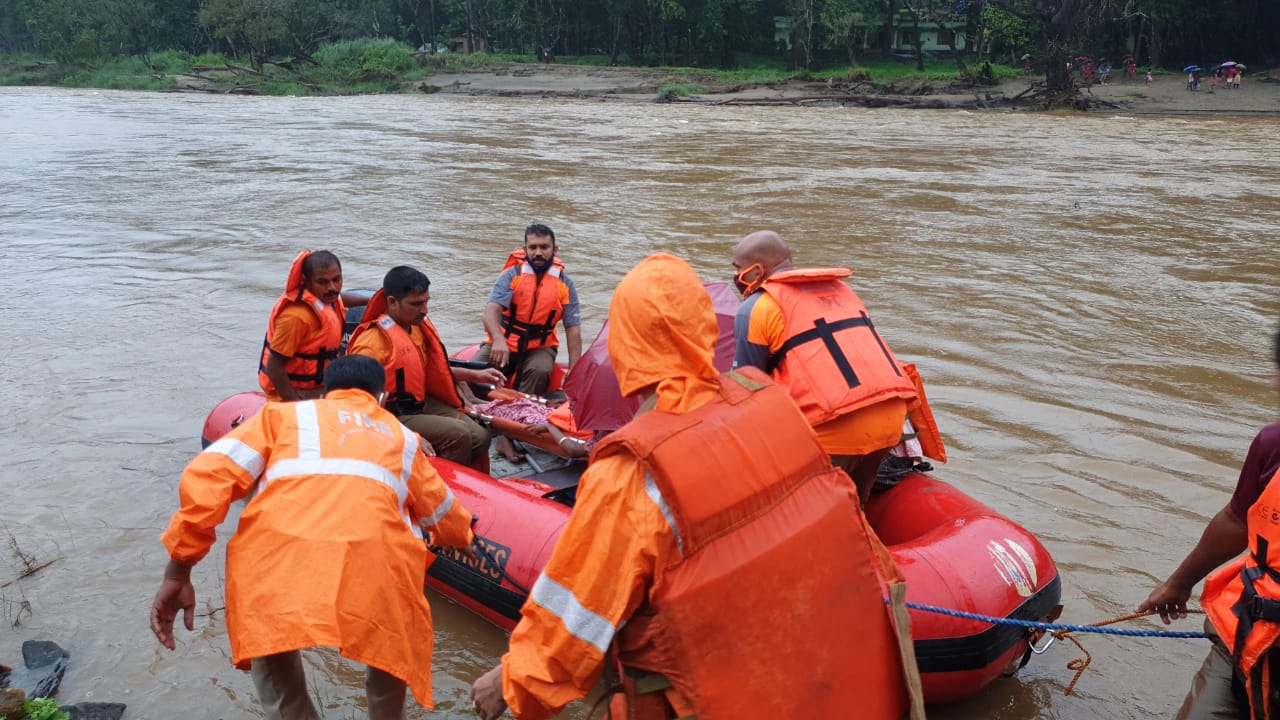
{"points": [[1259, 94]]}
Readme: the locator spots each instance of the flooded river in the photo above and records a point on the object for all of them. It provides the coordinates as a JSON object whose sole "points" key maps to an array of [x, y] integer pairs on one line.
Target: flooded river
{"points": [[1090, 300]]}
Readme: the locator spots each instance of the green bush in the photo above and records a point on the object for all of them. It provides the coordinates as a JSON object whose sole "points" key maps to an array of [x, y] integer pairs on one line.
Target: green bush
{"points": [[43, 709], [172, 62], [209, 59], [119, 73], [364, 60], [668, 92]]}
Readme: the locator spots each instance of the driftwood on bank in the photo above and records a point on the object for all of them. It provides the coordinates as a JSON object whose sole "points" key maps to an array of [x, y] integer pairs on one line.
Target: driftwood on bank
{"points": [[1041, 97]]}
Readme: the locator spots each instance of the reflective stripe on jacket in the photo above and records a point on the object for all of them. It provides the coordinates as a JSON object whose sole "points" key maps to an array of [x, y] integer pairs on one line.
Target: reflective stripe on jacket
{"points": [[306, 367], [1242, 600], [414, 371], [833, 361], [328, 550]]}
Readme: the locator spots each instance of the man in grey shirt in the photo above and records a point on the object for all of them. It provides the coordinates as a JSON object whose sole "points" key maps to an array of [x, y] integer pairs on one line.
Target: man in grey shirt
{"points": [[531, 296]]}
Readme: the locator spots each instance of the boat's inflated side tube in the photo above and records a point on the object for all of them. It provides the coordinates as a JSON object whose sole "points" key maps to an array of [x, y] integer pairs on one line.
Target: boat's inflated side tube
{"points": [[959, 554]]}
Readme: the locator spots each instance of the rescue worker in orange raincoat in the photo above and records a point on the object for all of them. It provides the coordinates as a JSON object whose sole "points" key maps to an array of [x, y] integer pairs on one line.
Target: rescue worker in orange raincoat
{"points": [[713, 553], [813, 335], [530, 297], [329, 550], [422, 388], [1241, 675], [304, 331]]}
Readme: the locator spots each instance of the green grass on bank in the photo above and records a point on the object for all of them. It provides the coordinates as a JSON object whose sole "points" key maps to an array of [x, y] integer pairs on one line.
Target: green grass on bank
{"points": [[384, 65]]}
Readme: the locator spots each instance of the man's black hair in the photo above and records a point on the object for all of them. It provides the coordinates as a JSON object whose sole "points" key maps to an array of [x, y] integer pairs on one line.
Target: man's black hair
{"points": [[1278, 348], [402, 280], [358, 372], [319, 260], [541, 231]]}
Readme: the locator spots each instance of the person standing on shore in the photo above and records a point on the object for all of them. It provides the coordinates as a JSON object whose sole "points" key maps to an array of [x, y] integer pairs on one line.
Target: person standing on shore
{"points": [[1242, 599], [813, 335], [328, 551]]}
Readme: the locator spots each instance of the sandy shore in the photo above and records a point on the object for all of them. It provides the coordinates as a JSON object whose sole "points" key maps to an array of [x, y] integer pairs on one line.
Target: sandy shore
{"points": [[1259, 94]]}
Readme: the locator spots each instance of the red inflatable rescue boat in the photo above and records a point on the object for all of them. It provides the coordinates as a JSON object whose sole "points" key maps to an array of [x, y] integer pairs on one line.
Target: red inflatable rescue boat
{"points": [[954, 552]]}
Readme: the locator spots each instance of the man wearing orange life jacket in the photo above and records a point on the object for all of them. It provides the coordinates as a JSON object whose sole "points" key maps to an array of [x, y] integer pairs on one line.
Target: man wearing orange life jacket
{"points": [[304, 332], [421, 386], [754, 595], [1241, 675], [813, 335], [328, 551], [530, 297]]}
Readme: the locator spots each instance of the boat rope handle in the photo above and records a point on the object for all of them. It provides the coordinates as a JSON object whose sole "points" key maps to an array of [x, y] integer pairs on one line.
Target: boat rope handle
{"points": [[1063, 631]]}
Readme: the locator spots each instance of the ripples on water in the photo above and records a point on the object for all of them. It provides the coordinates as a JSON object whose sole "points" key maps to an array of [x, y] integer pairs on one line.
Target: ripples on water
{"points": [[1089, 298]]}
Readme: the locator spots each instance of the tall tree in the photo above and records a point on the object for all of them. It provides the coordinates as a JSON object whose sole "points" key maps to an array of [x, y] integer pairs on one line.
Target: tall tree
{"points": [[846, 23]]}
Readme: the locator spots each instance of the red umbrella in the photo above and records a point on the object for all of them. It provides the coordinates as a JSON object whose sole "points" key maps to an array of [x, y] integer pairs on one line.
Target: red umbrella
{"points": [[593, 388]]}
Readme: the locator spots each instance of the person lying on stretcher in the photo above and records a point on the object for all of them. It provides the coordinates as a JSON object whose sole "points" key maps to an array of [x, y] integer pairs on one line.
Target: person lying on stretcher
{"points": [[544, 423]]}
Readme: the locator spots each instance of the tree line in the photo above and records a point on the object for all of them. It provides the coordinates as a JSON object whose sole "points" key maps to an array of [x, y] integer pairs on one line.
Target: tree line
{"points": [[699, 33]]}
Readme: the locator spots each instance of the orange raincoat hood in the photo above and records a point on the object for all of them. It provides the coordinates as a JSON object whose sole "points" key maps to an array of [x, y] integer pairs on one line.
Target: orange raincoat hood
{"points": [[662, 331]]}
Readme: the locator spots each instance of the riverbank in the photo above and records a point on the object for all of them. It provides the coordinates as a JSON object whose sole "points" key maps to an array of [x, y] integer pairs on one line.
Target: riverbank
{"points": [[380, 67], [1166, 94]]}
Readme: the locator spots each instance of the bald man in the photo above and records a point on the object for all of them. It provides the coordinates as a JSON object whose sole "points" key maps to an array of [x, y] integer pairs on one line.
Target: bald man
{"points": [[813, 335]]}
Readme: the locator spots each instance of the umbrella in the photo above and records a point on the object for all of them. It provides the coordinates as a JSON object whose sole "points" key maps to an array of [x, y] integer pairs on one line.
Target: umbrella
{"points": [[593, 388], [1191, 68]]}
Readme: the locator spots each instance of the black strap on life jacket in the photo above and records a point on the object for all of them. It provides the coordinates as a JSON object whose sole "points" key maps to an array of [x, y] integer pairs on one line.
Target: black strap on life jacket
{"points": [[826, 332], [525, 333], [400, 402], [322, 357], [528, 332], [1253, 608]]}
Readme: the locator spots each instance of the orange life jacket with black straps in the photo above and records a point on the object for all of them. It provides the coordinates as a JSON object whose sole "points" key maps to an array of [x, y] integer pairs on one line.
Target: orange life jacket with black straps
{"points": [[413, 372], [536, 305], [306, 367], [1242, 600], [774, 607], [833, 361]]}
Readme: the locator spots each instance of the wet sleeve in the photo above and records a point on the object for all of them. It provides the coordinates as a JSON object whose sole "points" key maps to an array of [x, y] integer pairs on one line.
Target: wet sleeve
{"points": [[222, 473], [597, 576], [436, 507], [572, 314], [501, 292], [292, 328]]}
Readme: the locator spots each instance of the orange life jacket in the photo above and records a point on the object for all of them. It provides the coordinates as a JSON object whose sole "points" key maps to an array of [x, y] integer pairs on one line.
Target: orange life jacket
{"points": [[1242, 600], [562, 417], [833, 361], [306, 368], [922, 419], [775, 608], [536, 305], [414, 372]]}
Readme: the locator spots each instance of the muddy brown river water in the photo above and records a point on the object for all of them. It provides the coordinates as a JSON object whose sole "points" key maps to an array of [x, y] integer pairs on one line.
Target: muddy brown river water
{"points": [[1090, 300]]}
